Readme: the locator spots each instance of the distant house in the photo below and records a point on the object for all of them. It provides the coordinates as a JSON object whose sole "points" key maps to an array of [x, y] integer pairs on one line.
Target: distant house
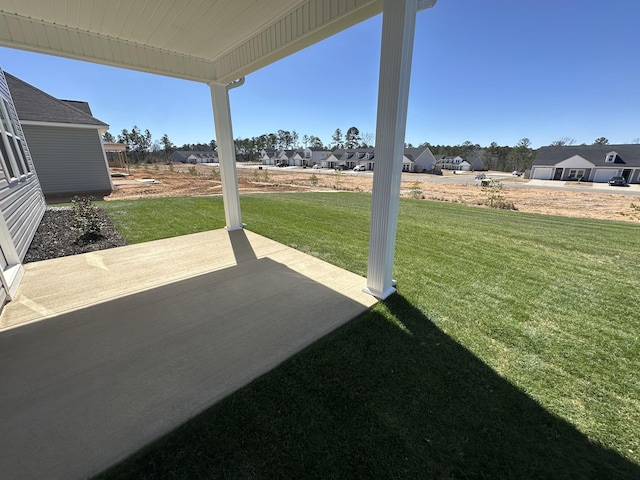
{"points": [[64, 139], [303, 157], [413, 159], [22, 203], [423, 159], [350, 157], [458, 163], [184, 156], [594, 163]]}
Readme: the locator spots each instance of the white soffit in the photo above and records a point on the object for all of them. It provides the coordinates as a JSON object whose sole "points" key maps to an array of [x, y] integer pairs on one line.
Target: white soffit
{"points": [[201, 40]]}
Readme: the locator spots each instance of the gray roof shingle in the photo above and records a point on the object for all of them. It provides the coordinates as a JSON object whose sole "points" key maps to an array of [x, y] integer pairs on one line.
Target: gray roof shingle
{"points": [[628, 154], [35, 105]]}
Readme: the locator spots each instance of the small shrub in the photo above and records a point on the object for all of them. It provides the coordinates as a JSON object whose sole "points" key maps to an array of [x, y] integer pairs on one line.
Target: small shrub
{"points": [[86, 219], [337, 178], [635, 211], [171, 169], [504, 205], [416, 190], [215, 173], [495, 197], [193, 170], [313, 180]]}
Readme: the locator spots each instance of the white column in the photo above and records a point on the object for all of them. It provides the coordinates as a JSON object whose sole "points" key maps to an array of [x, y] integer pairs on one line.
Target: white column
{"points": [[398, 27], [226, 156]]}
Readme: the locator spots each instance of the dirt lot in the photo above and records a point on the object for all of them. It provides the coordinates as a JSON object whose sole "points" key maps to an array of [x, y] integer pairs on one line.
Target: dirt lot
{"points": [[195, 180]]}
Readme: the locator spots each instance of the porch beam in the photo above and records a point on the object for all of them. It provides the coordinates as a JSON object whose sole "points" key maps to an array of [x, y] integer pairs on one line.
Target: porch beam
{"points": [[226, 155], [398, 27]]}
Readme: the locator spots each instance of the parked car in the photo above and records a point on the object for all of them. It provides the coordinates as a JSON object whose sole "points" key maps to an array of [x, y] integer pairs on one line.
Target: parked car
{"points": [[316, 166], [617, 181], [282, 164], [341, 167], [359, 168], [516, 173], [480, 176]]}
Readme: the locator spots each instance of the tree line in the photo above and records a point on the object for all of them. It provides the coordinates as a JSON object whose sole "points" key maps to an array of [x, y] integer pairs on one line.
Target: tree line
{"points": [[494, 157], [142, 148]]}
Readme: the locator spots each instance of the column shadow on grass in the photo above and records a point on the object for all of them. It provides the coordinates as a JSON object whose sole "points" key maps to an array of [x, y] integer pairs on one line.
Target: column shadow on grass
{"points": [[482, 425], [379, 400]]}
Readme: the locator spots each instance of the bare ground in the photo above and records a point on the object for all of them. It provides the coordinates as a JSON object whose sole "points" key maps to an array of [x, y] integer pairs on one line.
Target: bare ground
{"points": [[56, 236], [197, 180]]}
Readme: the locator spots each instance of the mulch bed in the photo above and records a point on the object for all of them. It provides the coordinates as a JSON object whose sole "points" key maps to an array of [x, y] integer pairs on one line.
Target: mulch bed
{"points": [[55, 236]]}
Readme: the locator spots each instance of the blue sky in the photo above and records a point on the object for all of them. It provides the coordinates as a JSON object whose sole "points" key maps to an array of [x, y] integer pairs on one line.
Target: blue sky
{"points": [[494, 70]]}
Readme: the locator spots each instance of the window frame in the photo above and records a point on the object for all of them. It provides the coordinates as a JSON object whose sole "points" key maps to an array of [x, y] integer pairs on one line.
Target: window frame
{"points": [[14, 161]]}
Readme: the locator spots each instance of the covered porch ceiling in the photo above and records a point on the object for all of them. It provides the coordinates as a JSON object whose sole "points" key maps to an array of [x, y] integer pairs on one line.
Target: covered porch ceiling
{"points": [[201, 40], [218, 43]]}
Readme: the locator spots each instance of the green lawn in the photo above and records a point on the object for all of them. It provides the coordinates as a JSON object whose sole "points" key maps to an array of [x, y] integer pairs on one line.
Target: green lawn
{"points": [[511, 350]]}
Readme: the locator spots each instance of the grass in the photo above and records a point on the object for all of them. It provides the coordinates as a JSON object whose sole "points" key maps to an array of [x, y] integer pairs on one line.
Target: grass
{"points": [[153, 219], [511, 350]]}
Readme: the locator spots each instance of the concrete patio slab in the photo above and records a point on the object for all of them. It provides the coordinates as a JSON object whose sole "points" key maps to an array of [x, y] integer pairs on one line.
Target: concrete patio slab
{"points": [[102, 353]]}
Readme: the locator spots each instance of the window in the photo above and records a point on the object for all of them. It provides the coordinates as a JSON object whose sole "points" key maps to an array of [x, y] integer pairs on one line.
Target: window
{"points": [[4, 161], [14, 160], [611, 157]]}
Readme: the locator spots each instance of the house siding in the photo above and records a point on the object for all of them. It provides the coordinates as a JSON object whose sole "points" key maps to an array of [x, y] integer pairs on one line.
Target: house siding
{"points": [[592, 159], [69, 161], [21, 204], [21, 201], [542, 173]]}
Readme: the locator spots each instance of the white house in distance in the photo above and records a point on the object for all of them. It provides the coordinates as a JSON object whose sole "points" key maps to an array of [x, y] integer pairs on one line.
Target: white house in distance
{"points": [[22, 202], [413, 159], [183, 156], [458, 163], [593, 163], [304, 157]]}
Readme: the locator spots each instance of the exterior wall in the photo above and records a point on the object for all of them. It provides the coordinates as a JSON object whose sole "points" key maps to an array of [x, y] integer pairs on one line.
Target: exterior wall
{"points": [[407, 165], [425, 161], [603, 175], [69, 161], [596, 175], [21, 206], [542, 173], [21, 200], [318, 156], [296, 160]]}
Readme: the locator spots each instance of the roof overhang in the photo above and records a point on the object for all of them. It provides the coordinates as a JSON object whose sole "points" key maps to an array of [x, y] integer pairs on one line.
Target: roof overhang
{"points": [[198, 40], [100, 127]]}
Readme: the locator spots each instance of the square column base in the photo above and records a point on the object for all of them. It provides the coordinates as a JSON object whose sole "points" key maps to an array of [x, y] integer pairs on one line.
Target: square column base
{"points": [[381, 295]]}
